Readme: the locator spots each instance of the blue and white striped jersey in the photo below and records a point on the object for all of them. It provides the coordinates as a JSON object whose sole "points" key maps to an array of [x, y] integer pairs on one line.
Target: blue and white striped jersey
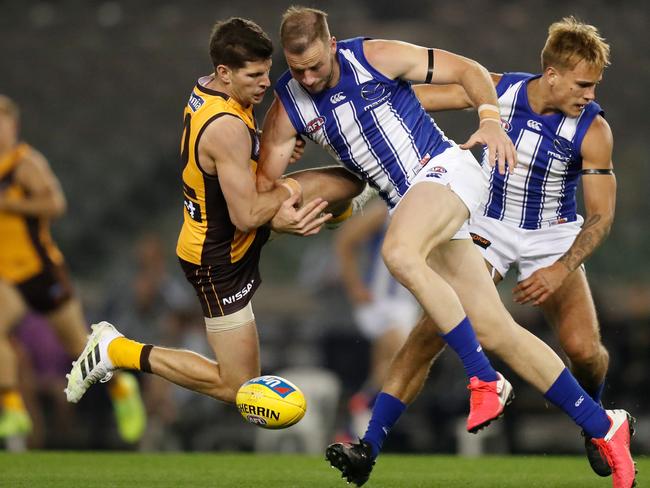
{"points": [[542, 190], [375, 126]]}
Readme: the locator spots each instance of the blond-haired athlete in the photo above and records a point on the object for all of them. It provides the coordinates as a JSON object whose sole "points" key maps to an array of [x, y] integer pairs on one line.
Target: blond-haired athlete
{"points": [[530, 220]]}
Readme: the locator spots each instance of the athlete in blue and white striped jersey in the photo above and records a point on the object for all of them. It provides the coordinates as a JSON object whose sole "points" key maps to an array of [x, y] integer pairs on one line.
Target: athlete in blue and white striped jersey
{"points": [[530, 220], [541, 192], [430, 206]]}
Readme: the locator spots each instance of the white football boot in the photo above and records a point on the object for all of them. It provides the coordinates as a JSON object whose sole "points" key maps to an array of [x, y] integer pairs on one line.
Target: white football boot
{"points": [[93, 364]]}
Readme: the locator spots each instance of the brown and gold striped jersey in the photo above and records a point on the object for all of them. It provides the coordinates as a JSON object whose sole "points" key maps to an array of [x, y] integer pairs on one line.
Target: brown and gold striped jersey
{"points": [[26, 246], [208, 236]]}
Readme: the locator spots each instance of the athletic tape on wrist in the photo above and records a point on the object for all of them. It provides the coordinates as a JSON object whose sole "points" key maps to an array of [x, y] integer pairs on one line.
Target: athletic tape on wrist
{"points": [[488, 111], [292, 185], [489, 120]]}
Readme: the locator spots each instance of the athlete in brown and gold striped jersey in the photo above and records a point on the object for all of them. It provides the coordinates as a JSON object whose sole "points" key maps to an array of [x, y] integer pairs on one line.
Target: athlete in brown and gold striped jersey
{"points": [[225, 224], [218, 258], [33, 276]]}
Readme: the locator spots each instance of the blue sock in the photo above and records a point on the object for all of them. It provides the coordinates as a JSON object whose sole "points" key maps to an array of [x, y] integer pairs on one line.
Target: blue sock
{"points": [[568, 395], [463, 341], [385, 413]]}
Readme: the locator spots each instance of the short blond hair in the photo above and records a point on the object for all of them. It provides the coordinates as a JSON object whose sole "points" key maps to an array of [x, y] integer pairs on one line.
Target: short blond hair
{"points": [[301, 26], [9, 107], [571, 41]]}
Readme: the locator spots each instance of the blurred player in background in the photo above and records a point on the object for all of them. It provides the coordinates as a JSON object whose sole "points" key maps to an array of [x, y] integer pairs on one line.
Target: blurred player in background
{"points": [[225, 225], [383, 309], [530, 219], [354, 98], [33, 276]]}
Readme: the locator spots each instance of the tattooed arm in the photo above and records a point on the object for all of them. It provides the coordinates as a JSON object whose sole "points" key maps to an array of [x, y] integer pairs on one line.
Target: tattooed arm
{"points": [[599, 189]]}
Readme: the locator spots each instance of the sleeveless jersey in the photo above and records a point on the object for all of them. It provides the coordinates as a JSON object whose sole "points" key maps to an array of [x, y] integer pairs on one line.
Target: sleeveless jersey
{"points": [[26, 246], [542, 189], [372, 124], [208, 236]]}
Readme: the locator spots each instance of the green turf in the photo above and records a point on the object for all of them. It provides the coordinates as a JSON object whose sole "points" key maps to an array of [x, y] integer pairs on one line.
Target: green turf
{"points": [[135, 470]]}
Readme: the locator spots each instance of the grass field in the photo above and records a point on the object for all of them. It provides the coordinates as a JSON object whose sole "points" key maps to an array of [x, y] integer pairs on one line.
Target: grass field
{"points": [[135, 470]]}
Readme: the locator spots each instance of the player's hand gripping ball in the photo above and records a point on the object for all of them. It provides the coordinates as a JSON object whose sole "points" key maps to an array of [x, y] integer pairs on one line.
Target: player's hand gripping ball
{"points": [[271, 402]]}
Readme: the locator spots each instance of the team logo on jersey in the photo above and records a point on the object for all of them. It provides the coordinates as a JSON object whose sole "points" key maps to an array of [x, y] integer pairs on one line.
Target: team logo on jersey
{"points": [[507, 126], [337, 97], [563, 146], [193, 209], [533, 124], [372, 90], [480, 240], [315, 125], [195, 102]]}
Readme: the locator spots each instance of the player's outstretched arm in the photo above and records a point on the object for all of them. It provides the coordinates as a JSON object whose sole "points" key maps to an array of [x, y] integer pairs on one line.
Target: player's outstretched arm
{"points": [[599, 189], [397, 59], [437, 98], [43, 195]]}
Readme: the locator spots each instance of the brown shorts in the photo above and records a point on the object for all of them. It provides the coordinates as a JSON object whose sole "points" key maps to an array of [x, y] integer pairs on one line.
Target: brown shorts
{"points": [[48, 290], [220, 290]]}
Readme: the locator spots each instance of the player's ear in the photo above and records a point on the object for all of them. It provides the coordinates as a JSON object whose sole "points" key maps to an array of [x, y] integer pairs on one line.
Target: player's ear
{"points": [[223, 73], [333, 44], [551, 75]]}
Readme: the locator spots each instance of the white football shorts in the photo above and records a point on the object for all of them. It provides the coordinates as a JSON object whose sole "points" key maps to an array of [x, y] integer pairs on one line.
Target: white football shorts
{"points": [[376, 318], [459, 170], [504, 245]]}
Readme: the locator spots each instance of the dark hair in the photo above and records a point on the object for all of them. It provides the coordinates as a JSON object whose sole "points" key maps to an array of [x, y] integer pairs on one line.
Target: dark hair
{"points": [[236, 41], [301, 26]]}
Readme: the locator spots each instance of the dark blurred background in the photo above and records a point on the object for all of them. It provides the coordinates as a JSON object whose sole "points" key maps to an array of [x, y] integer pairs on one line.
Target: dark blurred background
{"points": [[102, 87]]}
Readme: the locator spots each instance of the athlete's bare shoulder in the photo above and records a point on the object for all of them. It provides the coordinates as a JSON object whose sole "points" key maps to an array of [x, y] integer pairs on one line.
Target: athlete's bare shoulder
{"points": [[597, 146], [224, 140]]}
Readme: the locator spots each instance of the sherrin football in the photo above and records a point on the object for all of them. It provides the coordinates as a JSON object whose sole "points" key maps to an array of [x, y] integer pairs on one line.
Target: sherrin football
{"points": [[271, 402]]}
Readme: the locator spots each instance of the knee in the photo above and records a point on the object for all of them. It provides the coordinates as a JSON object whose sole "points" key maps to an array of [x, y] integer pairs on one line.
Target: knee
{"points": [[401, 259], [585, 351]]}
